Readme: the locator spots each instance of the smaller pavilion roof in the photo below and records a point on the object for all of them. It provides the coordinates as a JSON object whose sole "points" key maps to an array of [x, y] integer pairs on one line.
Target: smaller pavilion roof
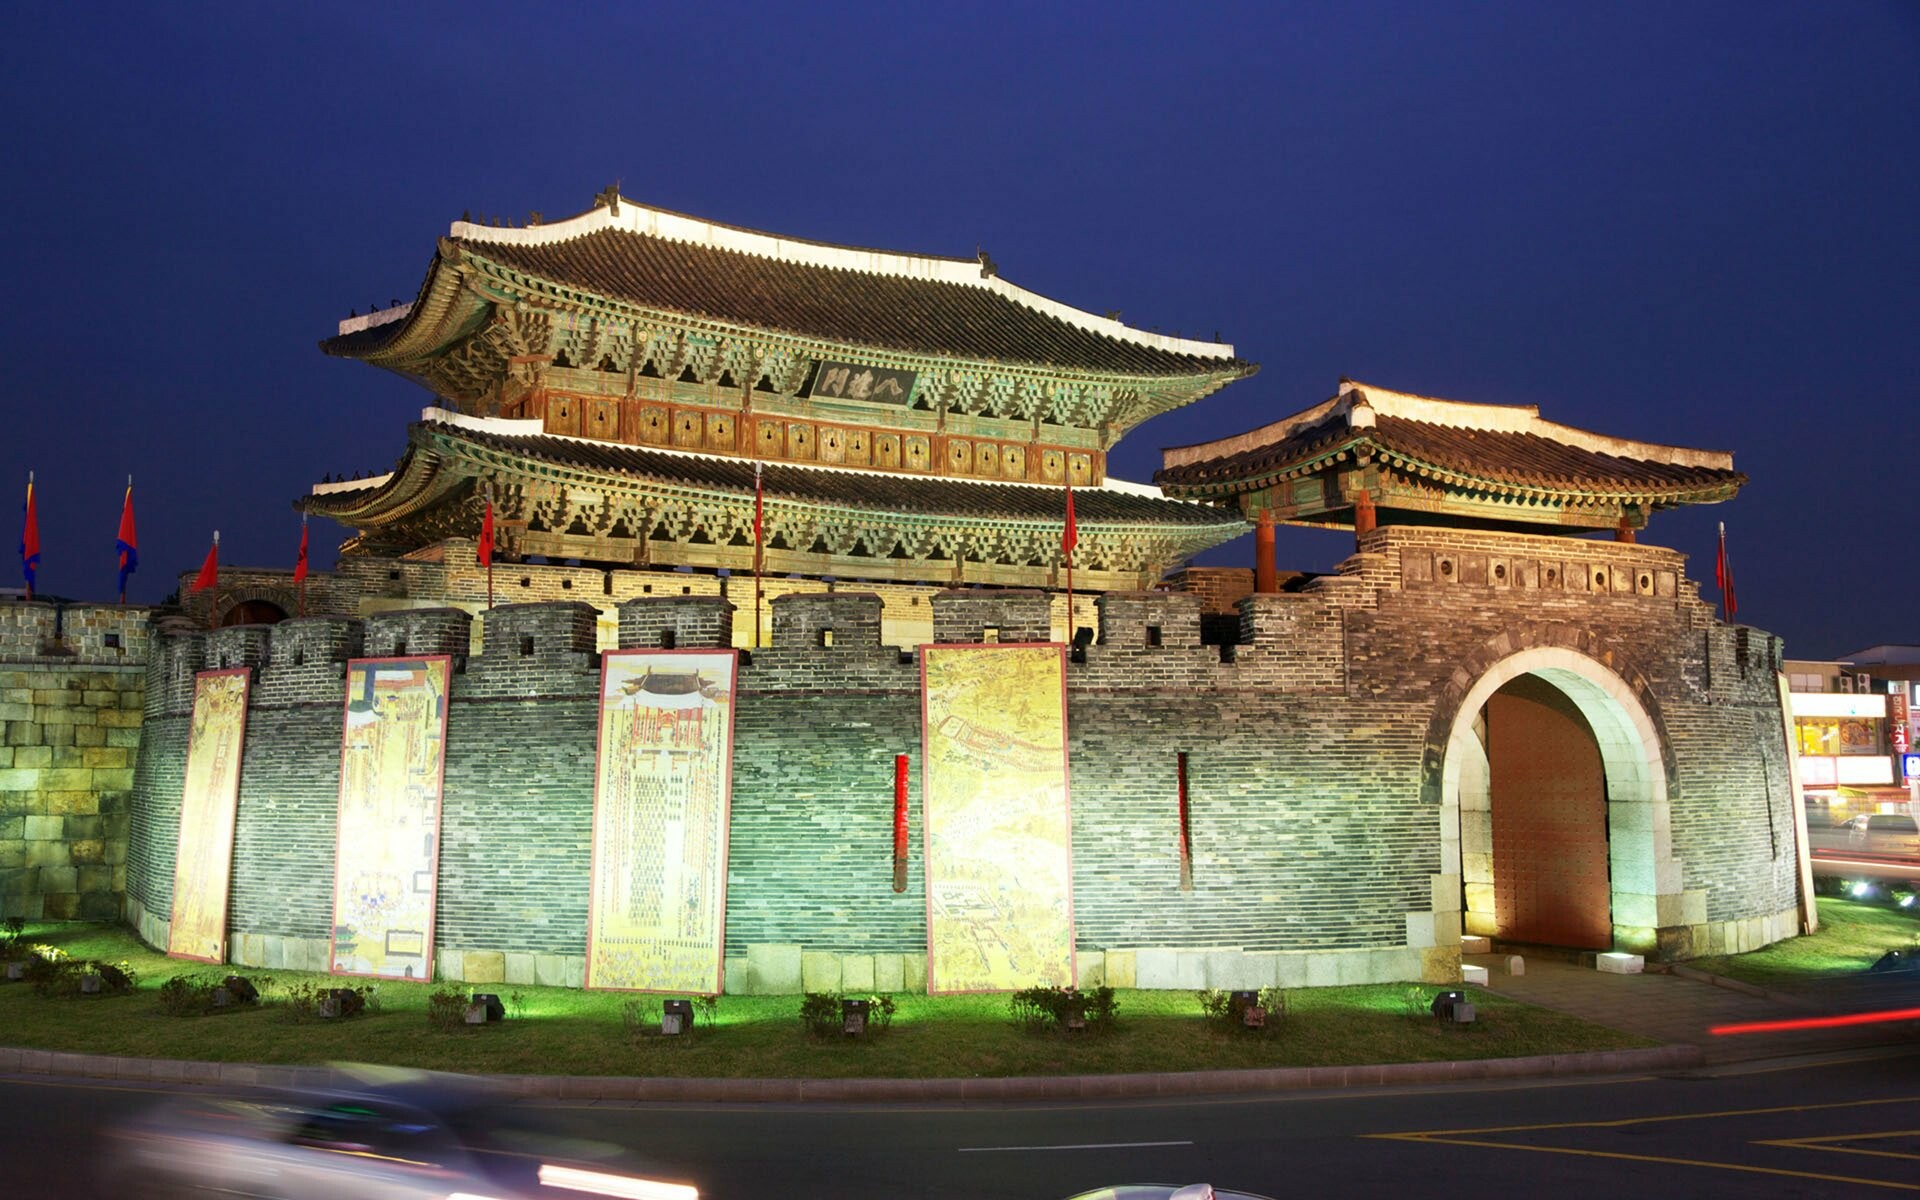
{"points": [[1507, 449]]}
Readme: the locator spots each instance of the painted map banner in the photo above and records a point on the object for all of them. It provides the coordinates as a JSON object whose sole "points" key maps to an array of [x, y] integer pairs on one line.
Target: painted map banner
{"points": [[387, 853], [656, 920], [203, 861], [998, 829]]}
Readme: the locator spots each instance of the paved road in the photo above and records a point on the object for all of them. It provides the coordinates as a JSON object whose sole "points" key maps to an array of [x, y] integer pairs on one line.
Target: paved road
{"points": [[1746, 1131]]}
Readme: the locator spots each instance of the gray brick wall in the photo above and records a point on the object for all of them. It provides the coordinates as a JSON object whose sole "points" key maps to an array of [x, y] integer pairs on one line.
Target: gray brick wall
{"points": [[1314, 751]]}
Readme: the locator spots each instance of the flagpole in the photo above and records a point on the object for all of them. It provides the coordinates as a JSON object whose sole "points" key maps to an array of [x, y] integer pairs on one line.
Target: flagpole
{"points": [[213, 601], [303, 562], [1069, 543], [759, 540]]}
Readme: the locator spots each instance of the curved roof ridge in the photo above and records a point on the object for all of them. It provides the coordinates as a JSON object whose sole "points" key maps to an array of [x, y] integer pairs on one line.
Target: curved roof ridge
{"points": [[625, 216]]}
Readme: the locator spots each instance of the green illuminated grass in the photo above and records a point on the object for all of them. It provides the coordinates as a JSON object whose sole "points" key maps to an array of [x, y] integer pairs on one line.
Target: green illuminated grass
{"points": [[1851, 936], [581, 1033]]}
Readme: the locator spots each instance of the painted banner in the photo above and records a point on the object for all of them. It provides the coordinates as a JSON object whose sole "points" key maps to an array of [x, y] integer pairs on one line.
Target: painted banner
{"points": [[656, 921], [387, 853], [998, 829], [203, 862]]}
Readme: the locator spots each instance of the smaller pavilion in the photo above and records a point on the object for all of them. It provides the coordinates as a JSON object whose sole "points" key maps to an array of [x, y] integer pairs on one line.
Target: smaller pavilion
{"points": [[1370, 456]]}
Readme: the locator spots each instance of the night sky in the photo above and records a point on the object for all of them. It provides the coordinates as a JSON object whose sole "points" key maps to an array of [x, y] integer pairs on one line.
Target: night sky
{"points": [[1692, 224]]}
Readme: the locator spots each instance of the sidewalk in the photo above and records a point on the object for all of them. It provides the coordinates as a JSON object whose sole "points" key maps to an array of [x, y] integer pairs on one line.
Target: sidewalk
{"points": [[1679, 1006]]}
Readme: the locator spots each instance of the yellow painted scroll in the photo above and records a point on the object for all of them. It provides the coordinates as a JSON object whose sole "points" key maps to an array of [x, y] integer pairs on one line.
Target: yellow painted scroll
{"points": [[203, 863], [386, 858], [656, 920], [998, 830]]}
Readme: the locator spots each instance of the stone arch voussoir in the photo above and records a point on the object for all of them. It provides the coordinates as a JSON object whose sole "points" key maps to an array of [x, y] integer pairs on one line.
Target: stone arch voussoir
{"points": [[1489, 654]]}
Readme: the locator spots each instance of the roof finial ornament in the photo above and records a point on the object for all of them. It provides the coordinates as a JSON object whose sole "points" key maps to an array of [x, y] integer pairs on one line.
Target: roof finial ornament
{"points": [[466, 216], [987, 268], [609, 198]]}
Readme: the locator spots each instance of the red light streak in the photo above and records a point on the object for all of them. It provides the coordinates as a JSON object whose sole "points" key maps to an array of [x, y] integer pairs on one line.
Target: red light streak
{"points": [[1865, 1018]]}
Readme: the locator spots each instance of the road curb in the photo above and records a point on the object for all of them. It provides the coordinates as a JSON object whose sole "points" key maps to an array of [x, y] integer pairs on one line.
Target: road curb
{"points": [[64, 1065], [1743, 987]]}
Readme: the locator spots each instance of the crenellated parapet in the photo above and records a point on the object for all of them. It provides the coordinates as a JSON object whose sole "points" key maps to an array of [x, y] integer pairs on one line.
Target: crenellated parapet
{"points": [[1009, 615], [172, 663], [668, 622], [418, 631], [532, 650], [828, 642], [306, 665], [76, 634], [238, 646]]}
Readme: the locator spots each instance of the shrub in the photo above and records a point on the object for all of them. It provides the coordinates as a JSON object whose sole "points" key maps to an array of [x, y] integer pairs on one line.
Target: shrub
{"points": [[12, 939], [187, 995], [820, 1013], [241, 991], [307, 1002], [447, 1009], [1228, 1010], [116, 979], [1044, 1009]]}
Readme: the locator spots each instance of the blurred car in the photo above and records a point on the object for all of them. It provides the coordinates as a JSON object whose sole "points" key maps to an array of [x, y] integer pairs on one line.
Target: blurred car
{"points": [[1161, 1191], [1885, 833], [406, 1138]]}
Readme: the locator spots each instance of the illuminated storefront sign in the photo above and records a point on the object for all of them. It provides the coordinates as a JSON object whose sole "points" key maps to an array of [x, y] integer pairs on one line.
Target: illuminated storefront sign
{"points": [[1838, 704]]}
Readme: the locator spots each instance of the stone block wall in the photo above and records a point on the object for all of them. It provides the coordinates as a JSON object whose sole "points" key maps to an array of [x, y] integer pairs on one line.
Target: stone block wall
{"points": [[72, 689], [1326, 845]]}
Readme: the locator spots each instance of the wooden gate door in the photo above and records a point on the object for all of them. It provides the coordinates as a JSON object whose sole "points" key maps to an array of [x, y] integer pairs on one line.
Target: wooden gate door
{"points": [[1549, 799]]}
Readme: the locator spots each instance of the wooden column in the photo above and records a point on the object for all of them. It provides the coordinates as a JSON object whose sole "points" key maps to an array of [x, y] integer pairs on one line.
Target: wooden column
{"points": [[1264, 577], [1363, 514]]}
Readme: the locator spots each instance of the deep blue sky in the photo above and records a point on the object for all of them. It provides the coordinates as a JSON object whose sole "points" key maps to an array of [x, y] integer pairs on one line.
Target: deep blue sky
{"points": [[1682, 223]]}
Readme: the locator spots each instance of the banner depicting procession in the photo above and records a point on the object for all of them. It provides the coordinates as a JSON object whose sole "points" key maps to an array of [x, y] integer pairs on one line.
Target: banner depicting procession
{"points": [[387, 853], [209, 803], [998, 831], [656, 919]]}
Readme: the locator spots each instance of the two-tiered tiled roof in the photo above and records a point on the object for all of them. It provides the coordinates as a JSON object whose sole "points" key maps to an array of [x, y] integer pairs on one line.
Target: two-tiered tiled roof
{"points": [[914, 304]]}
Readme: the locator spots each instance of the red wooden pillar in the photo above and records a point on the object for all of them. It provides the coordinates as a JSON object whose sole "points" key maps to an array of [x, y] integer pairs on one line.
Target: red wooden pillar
{"points": [[1363, 514], [1265, 579]]}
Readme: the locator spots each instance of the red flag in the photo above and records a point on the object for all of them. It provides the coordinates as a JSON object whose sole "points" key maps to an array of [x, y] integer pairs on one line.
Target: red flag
{"points": [[1070, 536], [1723, 574], [30, 540], [209, 576], [486, 537], [127, 543], [756, 504], [300, 564]]}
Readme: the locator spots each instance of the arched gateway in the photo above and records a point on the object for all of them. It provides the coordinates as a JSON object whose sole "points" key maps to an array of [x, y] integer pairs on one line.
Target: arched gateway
{"points": [[1517, 789]]}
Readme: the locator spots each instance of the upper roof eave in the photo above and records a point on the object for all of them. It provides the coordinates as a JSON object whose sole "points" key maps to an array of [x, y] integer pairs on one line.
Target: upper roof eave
{"points": [[416, 333]]}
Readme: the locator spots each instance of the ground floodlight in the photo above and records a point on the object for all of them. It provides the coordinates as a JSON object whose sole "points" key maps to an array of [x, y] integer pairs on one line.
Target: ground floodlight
{"points": [[676, 1016], [1444, 1003], [496, 1011], [853, 1016], [1892, 960]]}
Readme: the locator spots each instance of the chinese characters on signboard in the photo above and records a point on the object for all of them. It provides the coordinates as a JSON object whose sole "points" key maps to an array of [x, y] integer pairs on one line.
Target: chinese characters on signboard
{"points": [[852, 381]]}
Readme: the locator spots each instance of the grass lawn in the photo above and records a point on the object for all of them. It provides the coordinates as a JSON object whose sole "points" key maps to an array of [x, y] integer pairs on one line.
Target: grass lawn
{"points": [[562, 1031], [1851, 936]]}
